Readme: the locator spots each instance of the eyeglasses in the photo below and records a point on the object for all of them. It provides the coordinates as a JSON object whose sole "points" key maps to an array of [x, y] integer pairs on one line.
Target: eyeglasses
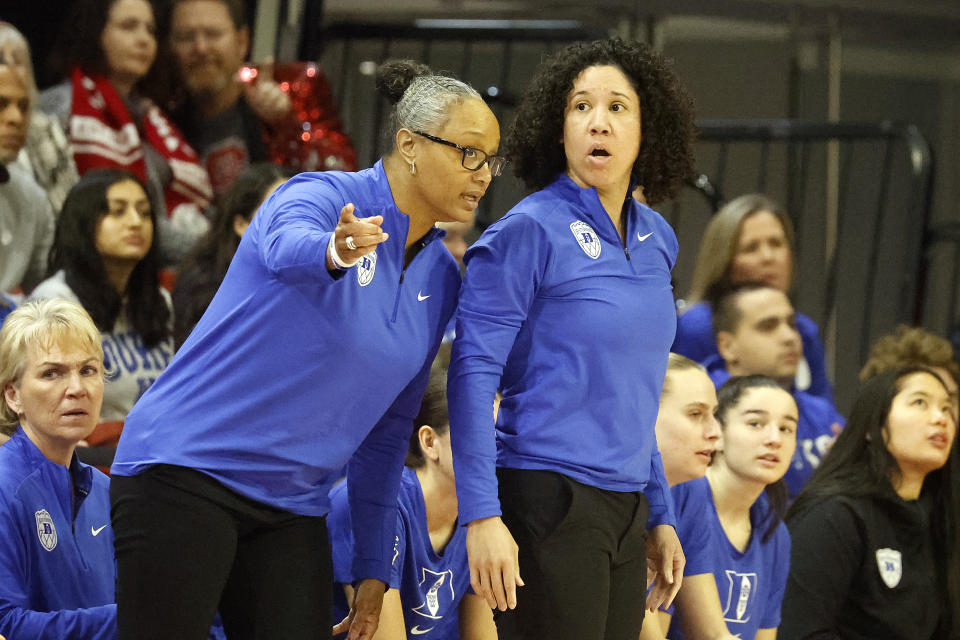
{"points": [[473, 158]]}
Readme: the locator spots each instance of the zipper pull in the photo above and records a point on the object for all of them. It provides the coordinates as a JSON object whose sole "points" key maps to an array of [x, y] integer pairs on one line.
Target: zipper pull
{"points": [[626, 251]]}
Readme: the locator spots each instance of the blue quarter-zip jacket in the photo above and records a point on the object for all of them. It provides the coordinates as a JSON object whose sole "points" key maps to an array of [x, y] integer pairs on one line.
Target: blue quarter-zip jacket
{"points": [[574, 328], [57, 571], [293, 371]]}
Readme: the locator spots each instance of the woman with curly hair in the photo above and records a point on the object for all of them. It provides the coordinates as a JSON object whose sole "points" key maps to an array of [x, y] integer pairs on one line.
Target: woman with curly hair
{"points": [[567, 308]]}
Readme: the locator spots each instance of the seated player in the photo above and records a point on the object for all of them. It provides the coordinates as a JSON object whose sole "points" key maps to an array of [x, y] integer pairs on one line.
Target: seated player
{"points": [[429, 593], [746, 548], [687, 435]]}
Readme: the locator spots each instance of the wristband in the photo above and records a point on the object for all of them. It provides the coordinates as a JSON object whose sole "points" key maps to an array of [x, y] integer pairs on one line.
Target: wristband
{"points": [[334, 257]]}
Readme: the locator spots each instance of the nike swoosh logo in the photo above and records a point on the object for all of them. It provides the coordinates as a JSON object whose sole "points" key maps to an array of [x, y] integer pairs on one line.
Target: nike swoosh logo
{"points": [[96, 532], [421, 298], [418, 631], [642, 238]]}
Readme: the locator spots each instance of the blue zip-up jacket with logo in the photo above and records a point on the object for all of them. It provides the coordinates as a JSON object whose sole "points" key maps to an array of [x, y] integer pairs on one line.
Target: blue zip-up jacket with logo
{"points": [[293, 372], [574, 328], [57, 571]]}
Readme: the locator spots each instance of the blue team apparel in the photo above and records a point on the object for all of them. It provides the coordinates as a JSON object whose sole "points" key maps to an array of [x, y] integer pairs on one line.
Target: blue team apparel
{"points": [[695, 340], [574, 328], [430, 585], [814, 429], [750, 583], [294, 371], [57, 571]]}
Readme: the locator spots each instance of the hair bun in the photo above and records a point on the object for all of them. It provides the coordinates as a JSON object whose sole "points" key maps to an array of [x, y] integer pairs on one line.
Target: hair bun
{"points": [[394, 76]]}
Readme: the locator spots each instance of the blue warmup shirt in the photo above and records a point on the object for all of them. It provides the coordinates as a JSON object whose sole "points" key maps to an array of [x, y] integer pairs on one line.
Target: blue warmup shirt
{"points": [[574, 329], [750, 583], [814, 429], [57, 571], [294, 371], [695, 340], [430, 585]]}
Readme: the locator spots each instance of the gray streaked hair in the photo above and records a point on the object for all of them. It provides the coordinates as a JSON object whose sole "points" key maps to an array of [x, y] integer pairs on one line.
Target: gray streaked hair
{"points": [[425, 105]]}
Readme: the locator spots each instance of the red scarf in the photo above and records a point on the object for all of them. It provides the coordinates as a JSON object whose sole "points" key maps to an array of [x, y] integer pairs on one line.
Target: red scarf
{"points": [[104, 136]]}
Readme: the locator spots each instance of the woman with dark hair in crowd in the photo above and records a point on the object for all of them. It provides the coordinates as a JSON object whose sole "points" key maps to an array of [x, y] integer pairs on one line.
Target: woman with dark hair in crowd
{"points": [[105, 257], [746, 547], [875, 547], [567, 308], [429, 592], [315, 352], [202, 271], [749, 240], [106, 49]]}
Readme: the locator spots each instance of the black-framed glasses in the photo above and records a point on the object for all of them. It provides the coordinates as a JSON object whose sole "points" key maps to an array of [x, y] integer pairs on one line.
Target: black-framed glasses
{"points": [[473, 158]]}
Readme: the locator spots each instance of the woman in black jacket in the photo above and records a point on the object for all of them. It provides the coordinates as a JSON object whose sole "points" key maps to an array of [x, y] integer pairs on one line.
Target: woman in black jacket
{"points": [[875, 552]]}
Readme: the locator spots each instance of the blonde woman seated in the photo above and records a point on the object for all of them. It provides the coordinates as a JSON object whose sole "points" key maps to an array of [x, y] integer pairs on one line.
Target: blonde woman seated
{"points": [[56, 551], [749, 240], [688, 434]]}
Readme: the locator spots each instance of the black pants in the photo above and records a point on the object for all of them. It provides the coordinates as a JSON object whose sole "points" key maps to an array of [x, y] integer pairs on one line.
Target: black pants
{"points": [[582, 557], [187, 546]]}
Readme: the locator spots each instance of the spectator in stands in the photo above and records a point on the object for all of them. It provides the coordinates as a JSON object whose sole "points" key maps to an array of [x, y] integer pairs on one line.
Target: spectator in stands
{"points": [[47, 155], [688, 435], [567, 309], [108, 46], [26, 220], [875, 547], [746, 547], [234, 115], [104, 257], [756, 333], [314, 352], [429, 584], [749, 239], [56, 551], [914, 346], [203, 269]]}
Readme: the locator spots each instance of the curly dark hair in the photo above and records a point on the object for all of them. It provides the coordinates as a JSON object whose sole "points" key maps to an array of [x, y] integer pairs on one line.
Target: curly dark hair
{"points": [[665, 159]]}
